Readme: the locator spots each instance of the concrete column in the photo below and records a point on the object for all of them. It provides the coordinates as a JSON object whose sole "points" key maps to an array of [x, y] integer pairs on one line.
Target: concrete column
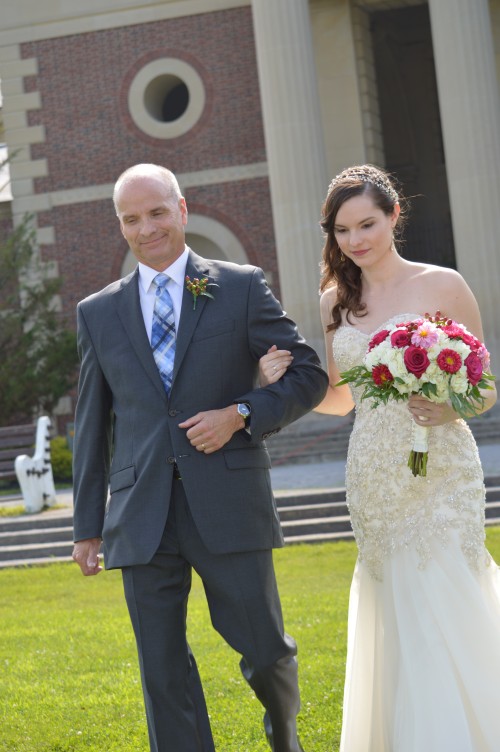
{"points": [[295, 153], [470, 119]]}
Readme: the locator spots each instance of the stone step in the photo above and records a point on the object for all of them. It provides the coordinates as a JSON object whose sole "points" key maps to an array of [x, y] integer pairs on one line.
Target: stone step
{"points": [[314, 526], [48, 519], [303, 497], [292, 512], [36, 535], [25, 553]]}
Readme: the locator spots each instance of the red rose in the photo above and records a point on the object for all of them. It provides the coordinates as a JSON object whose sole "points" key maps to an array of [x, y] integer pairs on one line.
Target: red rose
{"points": [[381, 375], [449, 360], [378, 338], [474, 368], [400, 338], [416, 360]]}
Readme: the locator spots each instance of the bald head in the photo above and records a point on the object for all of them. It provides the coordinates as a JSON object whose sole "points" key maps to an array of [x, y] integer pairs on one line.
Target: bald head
{"points": [[145, 170]]}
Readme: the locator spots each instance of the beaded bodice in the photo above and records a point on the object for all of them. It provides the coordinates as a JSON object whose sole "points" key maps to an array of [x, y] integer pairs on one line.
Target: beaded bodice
{"points": [[389, 507]]}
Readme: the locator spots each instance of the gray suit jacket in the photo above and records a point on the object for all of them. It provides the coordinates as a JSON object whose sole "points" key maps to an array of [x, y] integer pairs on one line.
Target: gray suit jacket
{"points": [[126, 431]]}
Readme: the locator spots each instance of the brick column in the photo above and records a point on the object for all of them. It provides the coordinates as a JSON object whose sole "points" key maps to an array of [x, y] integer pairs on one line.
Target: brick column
{"points": [[470, 118], [295, 152]]}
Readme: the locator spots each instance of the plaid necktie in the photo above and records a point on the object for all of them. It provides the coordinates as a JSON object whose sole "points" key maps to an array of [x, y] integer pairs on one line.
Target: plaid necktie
{"points": [[163, 331]]}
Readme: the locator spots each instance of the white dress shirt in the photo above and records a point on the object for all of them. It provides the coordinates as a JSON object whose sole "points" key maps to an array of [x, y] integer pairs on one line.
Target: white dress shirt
{"points": [[175, 286]]}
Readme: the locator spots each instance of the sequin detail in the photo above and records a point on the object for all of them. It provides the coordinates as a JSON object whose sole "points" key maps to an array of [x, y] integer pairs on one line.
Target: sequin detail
{"points": [[390, 508]]}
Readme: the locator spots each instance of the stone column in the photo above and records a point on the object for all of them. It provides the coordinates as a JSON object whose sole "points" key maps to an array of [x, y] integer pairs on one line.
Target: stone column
{"points": [[470, 119], [295, 153]]}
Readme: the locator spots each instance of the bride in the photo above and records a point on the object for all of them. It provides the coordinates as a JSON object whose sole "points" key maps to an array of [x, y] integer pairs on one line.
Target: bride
{"points": [[423, 663]]}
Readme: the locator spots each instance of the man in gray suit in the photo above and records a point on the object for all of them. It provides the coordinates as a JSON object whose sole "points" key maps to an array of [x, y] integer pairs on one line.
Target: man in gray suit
{"points": [[170, 418]]}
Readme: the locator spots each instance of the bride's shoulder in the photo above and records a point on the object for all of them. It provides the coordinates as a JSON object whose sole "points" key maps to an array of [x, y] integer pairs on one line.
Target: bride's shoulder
{"points": [[440, 277], [328, 296], [444, 289], [326, 303]]}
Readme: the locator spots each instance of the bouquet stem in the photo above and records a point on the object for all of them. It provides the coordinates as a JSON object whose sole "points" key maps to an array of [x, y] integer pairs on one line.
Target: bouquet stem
{"points": [[417, 461]]}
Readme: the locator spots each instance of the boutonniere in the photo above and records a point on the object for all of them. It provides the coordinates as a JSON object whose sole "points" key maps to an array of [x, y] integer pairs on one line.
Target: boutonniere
{"points": [[198, 287]]}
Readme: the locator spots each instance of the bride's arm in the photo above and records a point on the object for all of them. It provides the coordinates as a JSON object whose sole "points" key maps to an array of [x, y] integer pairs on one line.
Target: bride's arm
{"points": [[338, 399]]}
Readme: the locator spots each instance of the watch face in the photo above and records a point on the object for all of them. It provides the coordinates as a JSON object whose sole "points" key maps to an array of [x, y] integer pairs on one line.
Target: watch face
{"points": [[243, 410]]}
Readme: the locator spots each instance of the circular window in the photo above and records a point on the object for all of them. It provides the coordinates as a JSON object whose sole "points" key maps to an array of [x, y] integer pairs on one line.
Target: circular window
{"points": [[166, 98]]}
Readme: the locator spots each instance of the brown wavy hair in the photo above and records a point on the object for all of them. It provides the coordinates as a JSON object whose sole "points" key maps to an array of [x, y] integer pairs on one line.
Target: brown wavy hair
{"points": [[335, 267]]}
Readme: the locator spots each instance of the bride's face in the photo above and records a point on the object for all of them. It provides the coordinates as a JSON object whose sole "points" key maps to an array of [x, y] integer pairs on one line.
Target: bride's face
{"points": [[364, 232]]}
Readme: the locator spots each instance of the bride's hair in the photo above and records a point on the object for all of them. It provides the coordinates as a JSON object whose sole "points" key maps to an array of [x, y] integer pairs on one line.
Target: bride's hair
{"points": [[336, 269]]}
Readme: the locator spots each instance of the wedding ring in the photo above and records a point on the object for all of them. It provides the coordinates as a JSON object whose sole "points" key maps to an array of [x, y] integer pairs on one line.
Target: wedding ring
{"points": [[423, 418], [203, 446]]}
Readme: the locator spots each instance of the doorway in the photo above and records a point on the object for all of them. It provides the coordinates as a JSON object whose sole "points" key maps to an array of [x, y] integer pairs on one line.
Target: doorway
{"points": [[411, 127]]}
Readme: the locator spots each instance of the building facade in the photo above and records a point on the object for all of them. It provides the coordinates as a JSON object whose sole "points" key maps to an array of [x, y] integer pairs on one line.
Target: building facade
{"points": [[255, 105]]}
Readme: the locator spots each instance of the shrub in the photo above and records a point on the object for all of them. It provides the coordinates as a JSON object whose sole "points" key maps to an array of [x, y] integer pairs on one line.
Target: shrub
{"points": [[61, 458]]}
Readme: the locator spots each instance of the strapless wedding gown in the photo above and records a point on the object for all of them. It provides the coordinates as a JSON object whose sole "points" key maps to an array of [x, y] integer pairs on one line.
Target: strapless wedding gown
{"points": [[423, 663]]}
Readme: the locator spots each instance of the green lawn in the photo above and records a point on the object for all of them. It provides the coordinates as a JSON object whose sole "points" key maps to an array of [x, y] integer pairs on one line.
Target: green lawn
{"points": [[69, 676]]}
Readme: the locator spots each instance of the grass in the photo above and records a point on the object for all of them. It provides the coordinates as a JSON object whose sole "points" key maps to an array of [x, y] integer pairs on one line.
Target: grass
{"points": [[70, 681]]}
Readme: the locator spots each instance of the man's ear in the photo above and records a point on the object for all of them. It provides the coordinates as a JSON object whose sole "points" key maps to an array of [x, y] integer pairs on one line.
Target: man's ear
{"points": [[184, 210]]}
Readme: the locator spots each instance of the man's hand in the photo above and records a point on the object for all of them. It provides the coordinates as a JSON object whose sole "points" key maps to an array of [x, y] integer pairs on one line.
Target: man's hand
{"points": [[86, 555], [209, 431]]}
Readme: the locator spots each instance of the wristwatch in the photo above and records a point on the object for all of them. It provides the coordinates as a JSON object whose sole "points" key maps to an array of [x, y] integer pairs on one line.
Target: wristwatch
{"points": [[244, 410]]}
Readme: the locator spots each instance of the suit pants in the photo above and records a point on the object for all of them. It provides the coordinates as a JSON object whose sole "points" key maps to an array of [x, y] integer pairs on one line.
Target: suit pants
{"points": [[245, 609]]}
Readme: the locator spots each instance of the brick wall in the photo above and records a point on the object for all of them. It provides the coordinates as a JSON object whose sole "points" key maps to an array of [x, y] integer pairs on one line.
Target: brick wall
{"points": [[84, 80]]}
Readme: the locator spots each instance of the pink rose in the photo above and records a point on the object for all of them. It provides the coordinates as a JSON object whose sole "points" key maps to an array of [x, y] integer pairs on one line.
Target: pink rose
{"points": [[416, 360], [474, 368], [454, 331], [484, 356], [378, 338], [476, 344], [400, 338], [470, 340]]}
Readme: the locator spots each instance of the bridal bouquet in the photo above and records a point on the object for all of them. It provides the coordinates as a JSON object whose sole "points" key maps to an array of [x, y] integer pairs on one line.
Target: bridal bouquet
{"points": [[432, 356]]}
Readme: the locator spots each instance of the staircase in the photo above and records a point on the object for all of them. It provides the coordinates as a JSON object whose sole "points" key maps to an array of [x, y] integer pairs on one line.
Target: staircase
{"points": [[36, 539], [306, 517]]}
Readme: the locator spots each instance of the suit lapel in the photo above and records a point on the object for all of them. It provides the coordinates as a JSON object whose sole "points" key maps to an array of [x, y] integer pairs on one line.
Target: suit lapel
{"points": [[128, 306], [195, 267]]}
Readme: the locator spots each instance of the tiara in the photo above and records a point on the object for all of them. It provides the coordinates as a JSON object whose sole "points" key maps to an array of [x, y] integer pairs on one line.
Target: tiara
{"points": [[365, 175]]}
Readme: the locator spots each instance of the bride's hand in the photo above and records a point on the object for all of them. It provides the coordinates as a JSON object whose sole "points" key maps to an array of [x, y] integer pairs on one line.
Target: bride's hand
{"points": [[427, 413], [273, 365]]}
